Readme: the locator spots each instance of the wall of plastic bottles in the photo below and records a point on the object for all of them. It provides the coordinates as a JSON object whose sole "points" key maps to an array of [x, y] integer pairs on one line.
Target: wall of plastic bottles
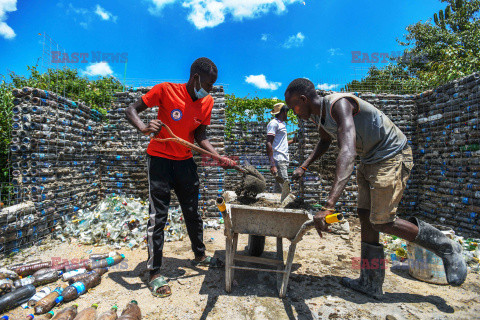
{"points": [[65, 157], [54, 162], [448, 154]]}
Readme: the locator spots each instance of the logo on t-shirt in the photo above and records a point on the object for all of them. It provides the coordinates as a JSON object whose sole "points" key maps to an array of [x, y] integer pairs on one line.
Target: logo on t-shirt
{"points": [[176, 114]]}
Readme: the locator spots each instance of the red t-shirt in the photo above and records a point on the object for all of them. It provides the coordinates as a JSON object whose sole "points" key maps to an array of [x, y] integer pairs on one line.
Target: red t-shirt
{"points": [[181, 114]]}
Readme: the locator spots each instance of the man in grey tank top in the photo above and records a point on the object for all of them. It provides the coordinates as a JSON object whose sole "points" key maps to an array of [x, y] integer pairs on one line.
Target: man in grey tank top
{"points": [[385, 164]]}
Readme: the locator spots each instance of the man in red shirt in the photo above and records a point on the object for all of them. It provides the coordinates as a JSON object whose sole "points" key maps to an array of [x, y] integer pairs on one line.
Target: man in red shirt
{"points": [[186, 110]]}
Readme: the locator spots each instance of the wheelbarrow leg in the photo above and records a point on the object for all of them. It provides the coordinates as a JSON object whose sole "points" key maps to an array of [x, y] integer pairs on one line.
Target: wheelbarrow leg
{"points": [[234, 251], [288, 268], [228, 264], [282, 266]]}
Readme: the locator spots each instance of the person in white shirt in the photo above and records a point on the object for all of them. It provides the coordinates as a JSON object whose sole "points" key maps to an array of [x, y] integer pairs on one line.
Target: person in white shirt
{"points": [[277, 144]]}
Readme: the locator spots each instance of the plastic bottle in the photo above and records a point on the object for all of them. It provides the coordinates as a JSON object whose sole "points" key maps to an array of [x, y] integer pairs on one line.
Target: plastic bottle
{"points": [[39, 295], [66, 276], [108, 262], [29, 269], [109, 315], [43, 271], [131, 312], [68, 313], [100, 256], [78, 288], [82, 276], [47, 303], [17, 297], [5, 273], [6, 285], [88, 314], [23, 282], [47, 316], [47, 278]]}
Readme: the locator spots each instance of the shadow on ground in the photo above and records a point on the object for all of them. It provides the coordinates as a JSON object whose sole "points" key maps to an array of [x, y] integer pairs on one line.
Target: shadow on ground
{"points": [[263, 284]]}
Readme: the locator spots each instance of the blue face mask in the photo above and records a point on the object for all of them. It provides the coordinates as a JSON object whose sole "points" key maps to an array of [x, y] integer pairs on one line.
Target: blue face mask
{"points": [[202, 93]]}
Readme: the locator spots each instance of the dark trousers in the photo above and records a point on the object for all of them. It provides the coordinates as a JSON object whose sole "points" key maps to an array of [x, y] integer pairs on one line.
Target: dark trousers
{"points": [[163, 175]]}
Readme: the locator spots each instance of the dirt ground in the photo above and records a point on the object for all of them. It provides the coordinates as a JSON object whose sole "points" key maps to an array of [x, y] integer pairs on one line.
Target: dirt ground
{"points": [[314, 291]]}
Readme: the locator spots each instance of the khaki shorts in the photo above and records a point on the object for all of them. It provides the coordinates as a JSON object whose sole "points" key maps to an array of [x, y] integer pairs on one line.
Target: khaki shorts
{"points": [[381, 186]]}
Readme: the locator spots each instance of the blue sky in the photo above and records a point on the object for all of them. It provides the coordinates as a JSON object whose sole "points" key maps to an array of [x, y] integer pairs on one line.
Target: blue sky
{"points": [[259, 46]]}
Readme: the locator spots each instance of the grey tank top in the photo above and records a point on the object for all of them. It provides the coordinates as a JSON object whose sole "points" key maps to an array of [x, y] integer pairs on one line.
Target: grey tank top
{"points": [[377, 138]]}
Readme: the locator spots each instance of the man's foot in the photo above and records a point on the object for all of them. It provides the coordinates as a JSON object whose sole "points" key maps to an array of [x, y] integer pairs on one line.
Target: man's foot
{"points": [[158, 286], [207, 261]]}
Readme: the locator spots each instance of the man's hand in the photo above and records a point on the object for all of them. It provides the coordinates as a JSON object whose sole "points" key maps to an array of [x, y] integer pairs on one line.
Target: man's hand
{"points": [[227, 163], [298, 173], [319, 221], [153, 127], [274, 170]]}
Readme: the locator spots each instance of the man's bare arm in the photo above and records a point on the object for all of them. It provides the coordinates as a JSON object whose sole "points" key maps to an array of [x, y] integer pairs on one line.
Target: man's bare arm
{"points": [[342, 112], [322, 146], [269, 144], [132, 112]]}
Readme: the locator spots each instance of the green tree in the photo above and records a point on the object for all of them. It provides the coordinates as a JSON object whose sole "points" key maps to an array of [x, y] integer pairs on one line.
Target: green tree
{"points": [[435, 53], [244, 110]]}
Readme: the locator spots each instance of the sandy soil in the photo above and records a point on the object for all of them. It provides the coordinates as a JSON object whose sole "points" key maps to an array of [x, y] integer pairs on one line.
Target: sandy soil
{"points": [[314, 290]]}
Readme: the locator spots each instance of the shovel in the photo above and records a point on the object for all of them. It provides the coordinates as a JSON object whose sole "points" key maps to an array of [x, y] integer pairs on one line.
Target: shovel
{"points": [[285, 186], [252, 183]]}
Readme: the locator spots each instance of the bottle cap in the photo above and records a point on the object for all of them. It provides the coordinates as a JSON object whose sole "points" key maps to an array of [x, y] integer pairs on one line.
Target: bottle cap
{"points": [[115, 307], [134, 301], [59, 299], [95, 305]]}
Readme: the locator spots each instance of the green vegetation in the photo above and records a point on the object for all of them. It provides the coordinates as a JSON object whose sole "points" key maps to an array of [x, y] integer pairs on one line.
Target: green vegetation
{"points": [[98, 94], [436, 53], [244, 110]]}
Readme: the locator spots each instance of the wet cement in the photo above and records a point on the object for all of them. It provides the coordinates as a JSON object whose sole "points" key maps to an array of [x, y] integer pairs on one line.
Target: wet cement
{"points": [[251, 184]]}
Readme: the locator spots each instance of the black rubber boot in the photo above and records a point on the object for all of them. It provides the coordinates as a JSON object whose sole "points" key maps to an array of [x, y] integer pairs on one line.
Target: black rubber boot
{"points": [[434, 240], [372, 274]]}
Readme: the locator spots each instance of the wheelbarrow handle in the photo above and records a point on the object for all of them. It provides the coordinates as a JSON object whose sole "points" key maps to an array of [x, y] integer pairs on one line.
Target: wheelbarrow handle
{"points": [[307, 225]]}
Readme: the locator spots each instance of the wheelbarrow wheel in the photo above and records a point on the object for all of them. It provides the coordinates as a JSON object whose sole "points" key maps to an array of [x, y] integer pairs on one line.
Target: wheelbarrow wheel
{"points": [[256, 245]]}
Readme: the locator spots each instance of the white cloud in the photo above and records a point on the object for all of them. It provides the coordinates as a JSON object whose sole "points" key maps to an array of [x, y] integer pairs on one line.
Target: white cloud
{"points": [[104, 14], [295, 40], [211, 13], [264, 37], [335, 52], [205, 14], [98, 69], [260, 81], [326, 86], [158, 5], [6, 6]]}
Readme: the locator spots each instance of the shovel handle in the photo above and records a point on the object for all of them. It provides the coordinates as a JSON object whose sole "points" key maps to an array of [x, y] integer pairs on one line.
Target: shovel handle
{"points": [[174, 138]]}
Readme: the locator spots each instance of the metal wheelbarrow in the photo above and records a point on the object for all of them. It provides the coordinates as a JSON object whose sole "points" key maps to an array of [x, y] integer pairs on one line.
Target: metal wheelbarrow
{"points": [[263, 221]]}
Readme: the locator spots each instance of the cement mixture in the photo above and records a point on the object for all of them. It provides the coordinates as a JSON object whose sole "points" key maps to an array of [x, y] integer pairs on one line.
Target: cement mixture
{"points": [[252, 182]]}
